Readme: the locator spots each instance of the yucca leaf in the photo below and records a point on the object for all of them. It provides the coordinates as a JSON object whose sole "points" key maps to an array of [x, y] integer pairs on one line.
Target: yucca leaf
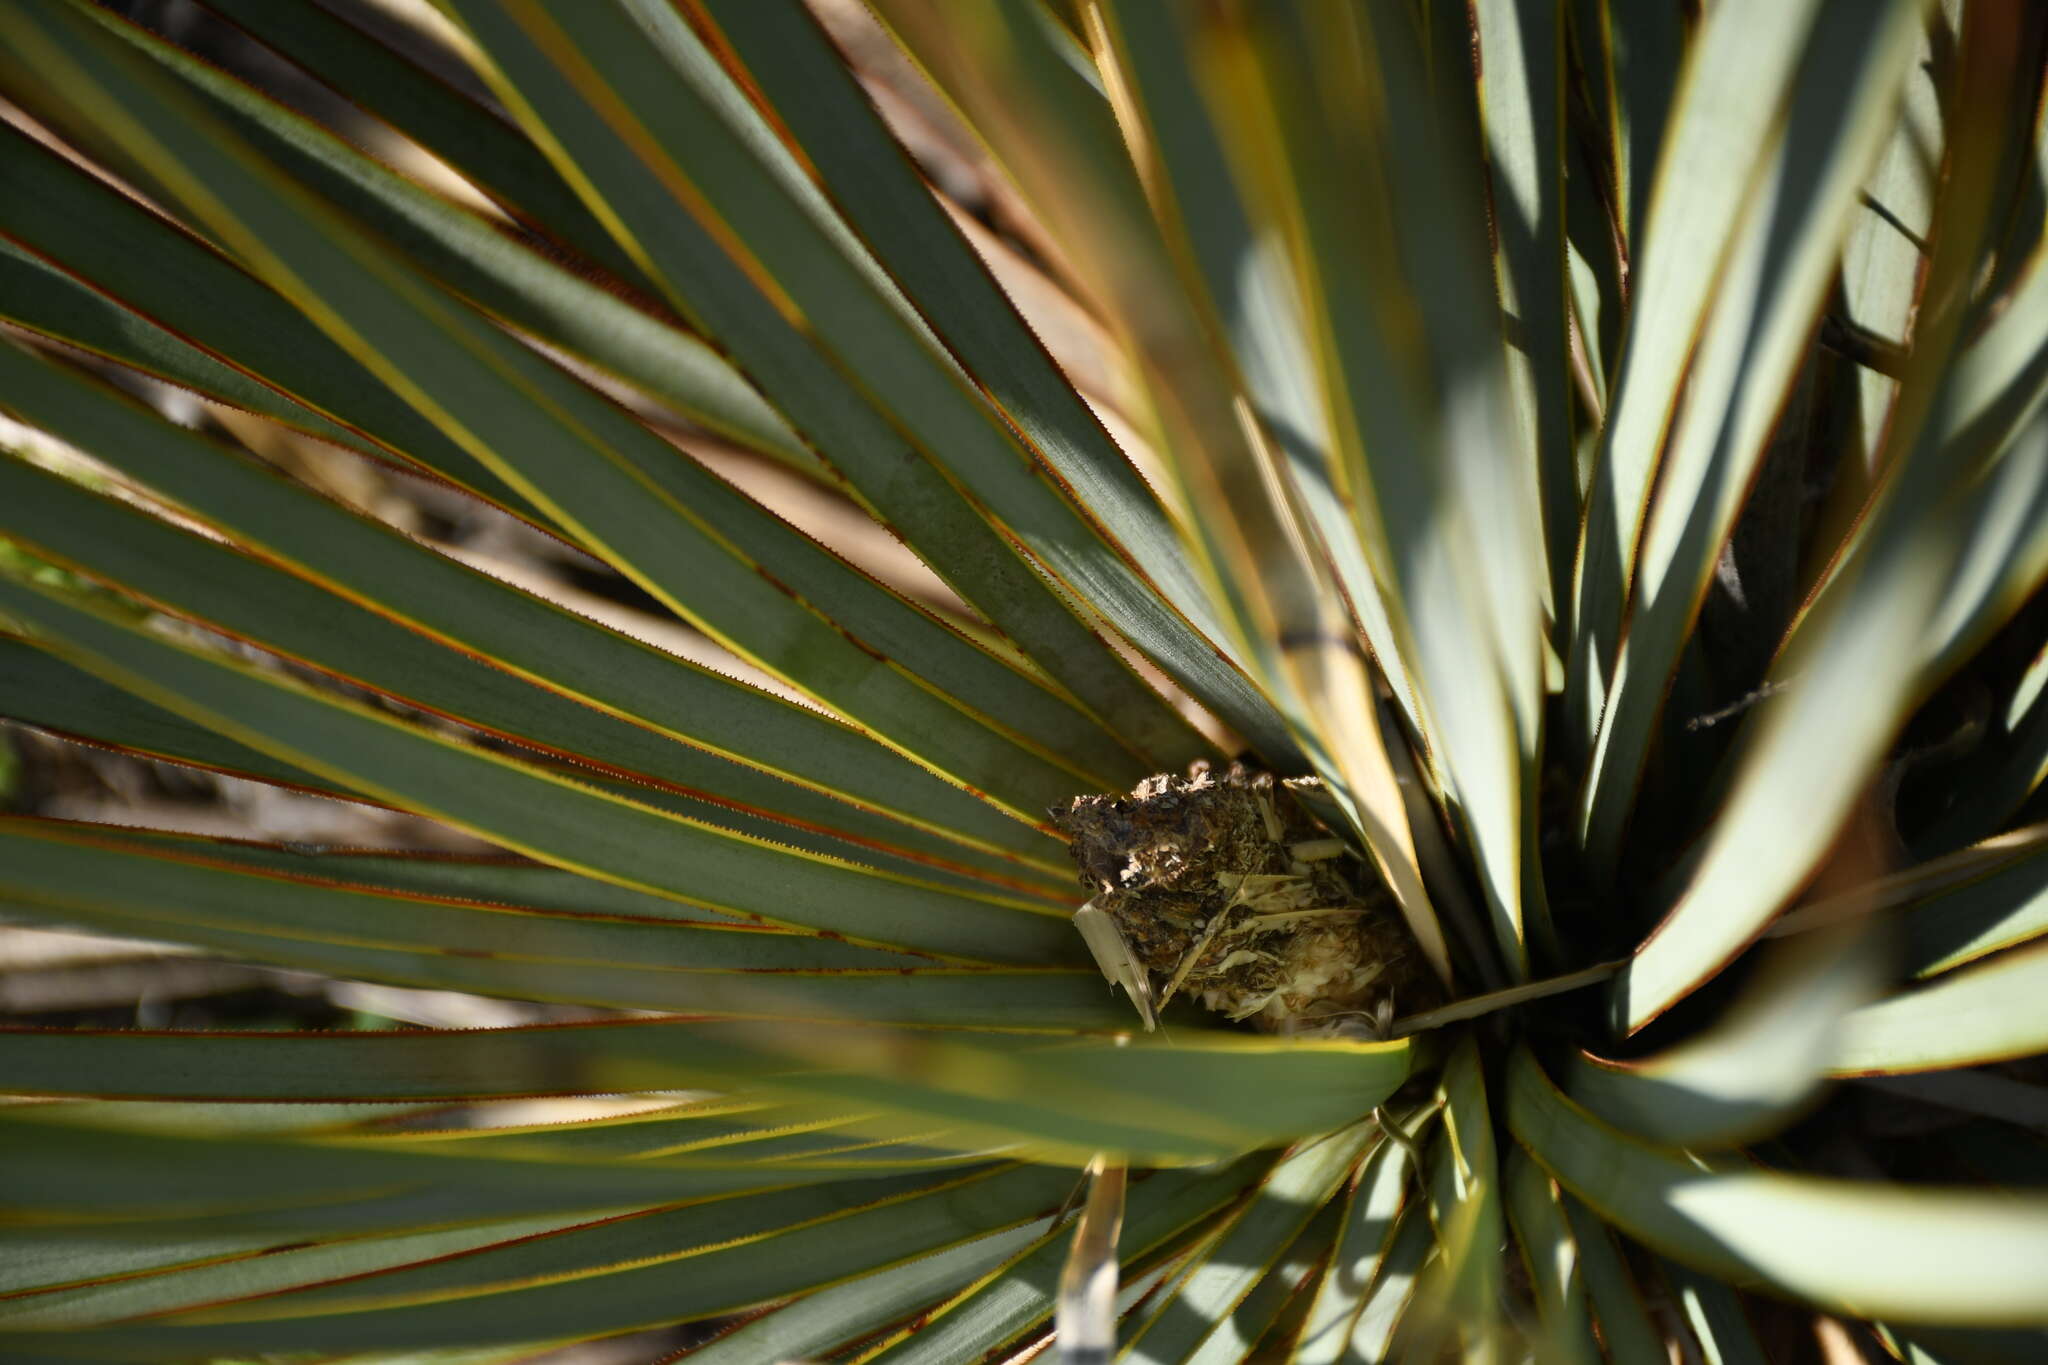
{"points": [[271, 1265], [572, 958], [787, 1269], [250, 601], [1196, 1321], [1266, 1321], [582, 892], [707, 1134], [1065, 1098], [1618, 1307], [680, 532], [994, 1314], [184, 297], [1242, 284], [1239, 448], [604, 1278], [807, 87], [1949, 547], [1884, 255], [1550, 1254], [1034, 95], [503, 879], [1924, 885], [1754, 1068], [1595, 296], [356, 1068], [477, 613], [37, 296], [1779, 263], [1038, 99], [1466, 1205], [2001, 777], [1985, 1093], [1393, 1290], [491, 1355], [1715, 1314], [753, 1132], [665, 134], [288, 1118], [1977, 1014], [1910, 1253], [529, 808], [47, 1259], [2019, 242], [827, 1318], [433, 113], [1596, 237], [231, 1186], [501, 882], [1925, 580], [1135, 1303], [1523, 73], [511, 281], [1727, 104], [46, 854], [1259, 521], [2004, 906], [1373, 1212], [2005, 558], [689, 696], [38, 688], [1288, 1087], [1456, 547], [1971, 394], [1632, 57]]}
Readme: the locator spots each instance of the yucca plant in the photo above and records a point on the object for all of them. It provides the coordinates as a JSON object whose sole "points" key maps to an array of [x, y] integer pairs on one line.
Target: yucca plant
{"points": [[1567, 674]]}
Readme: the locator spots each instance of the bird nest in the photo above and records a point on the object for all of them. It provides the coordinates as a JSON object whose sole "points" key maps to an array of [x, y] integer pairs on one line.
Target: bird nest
{"points": [[1223, 888]]}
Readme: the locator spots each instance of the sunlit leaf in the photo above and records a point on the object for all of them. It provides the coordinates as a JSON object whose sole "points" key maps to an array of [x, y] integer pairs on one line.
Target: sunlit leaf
{"points": [[1757, 1066], [1379, 1195], [1198, 1320], [995, 1313], [1983, 1013], [1779, 263], [1550, 1253], [1910, 1253]]}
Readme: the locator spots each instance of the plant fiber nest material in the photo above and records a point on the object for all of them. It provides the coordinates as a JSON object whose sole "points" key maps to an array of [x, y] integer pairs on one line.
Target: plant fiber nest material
{"points": [[1226, 889]]}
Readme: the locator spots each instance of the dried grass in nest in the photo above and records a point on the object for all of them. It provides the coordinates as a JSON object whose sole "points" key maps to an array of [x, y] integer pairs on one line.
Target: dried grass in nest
{"points": [[1226, 890]]}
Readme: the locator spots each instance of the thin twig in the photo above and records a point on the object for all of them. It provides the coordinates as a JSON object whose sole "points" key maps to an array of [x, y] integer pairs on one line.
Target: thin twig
{"points": [[1739, 705], [1473, 1006]]}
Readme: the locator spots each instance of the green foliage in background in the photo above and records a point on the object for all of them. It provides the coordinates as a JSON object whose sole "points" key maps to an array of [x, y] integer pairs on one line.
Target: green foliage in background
{"points": [[1604, 442]]}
